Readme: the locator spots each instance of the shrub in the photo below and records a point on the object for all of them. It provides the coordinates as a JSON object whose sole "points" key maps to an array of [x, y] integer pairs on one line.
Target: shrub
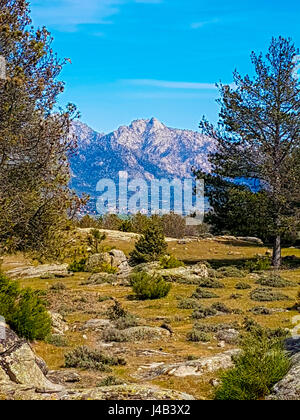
{"points": [[198, 336], [262, 294], [150, 247], [258, 368], [23, 310], [87, 222], [125, 322], [57, 287], [126, 226], [77, 266], [211, 284], [110, 381], [114, 335], [242, 286], [86, 358], [111, 222], [56, 340], [221, 307], [214, 328], [261, 310], [188, 304], [276, 281], [147, 287], [259, 264], [204, 294], [116, 312], [230, 271], [174, 225], [95, 239], [168, 262], [201, 313], [105, 268]]}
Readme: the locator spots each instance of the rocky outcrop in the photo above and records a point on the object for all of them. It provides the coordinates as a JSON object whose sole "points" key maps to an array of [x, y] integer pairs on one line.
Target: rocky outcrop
{"points": [[24, 376], [115, 258], [97, 325], [45, 270], [189, 368], [129, 392], [59, 325], [190, 274], [289, 387], [20, 368]]}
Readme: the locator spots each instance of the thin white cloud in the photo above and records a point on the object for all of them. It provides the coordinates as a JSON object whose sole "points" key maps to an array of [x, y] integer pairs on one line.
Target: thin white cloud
{"points": [[201, 24], [74, 12], [70, 13], [169, 84]]}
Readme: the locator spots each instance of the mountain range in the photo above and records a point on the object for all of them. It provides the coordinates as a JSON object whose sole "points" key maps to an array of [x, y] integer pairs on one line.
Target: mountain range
{"points": [[145, 148]]}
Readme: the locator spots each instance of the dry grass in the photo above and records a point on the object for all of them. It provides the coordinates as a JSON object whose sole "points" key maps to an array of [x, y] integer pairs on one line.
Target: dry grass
{"points": [[154, 313]]}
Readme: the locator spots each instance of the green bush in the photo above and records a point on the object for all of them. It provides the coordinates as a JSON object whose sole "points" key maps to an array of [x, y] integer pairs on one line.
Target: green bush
{"points": [[147, 287], [86, 358], [58, 287], [23, 310], [116, 312], [201, 312], [56, 340], [114, 335], [261, 310], [168, 262], [150, 247], [262, 294], [214, 328], [95, 239], [259, 264], [110, 381], [221, 307], [230, 271], [77, 266], [242, 286], [204, 294], [211, 284], [125, 322], [105, 268], [258, 368], [276, 281], [188, 304], [198, 336]]}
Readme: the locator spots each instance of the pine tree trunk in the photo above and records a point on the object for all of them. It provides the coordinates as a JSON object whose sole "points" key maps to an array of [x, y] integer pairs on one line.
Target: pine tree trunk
{"points": [[277, 252]]}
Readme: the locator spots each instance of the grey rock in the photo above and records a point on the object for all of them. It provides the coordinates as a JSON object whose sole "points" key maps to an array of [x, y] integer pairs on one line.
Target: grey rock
{"points": [[289, 387], [28, 272], [188, 368], [230, 336]]}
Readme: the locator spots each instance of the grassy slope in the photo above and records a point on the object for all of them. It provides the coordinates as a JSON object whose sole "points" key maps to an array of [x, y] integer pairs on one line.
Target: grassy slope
{"points": [[78, 310]]}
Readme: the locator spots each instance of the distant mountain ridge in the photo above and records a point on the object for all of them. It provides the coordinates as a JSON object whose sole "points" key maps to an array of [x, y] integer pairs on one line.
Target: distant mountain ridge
{"points": [[146, 149]]}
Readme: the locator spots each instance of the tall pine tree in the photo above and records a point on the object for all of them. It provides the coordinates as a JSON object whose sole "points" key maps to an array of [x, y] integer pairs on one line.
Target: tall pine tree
{"points": [[35, 139], [258, 135]]}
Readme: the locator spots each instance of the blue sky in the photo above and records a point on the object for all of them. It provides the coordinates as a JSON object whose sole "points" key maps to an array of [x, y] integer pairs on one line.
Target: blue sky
{"points": [[141, 58]]}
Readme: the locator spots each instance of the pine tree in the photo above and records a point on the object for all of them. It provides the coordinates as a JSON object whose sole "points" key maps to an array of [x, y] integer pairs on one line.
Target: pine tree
{"points": [[258, 135], [150, 247], [35, 139]]}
